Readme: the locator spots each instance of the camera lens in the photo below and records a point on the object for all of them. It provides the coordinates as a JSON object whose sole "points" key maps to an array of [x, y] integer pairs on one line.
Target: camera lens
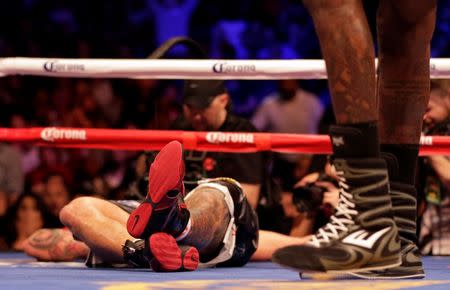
{"points": [[308, 198]]}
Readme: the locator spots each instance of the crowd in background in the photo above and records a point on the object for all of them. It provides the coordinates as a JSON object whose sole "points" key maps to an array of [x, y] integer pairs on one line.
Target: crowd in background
{"points": [[35, 183]]}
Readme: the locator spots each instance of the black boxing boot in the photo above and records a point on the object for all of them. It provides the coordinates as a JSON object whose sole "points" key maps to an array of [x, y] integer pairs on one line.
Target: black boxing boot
{"points": [[362, 234]]}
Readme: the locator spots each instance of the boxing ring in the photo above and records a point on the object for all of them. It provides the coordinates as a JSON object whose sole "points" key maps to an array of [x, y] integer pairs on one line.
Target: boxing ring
{"points": [[18, 271]]}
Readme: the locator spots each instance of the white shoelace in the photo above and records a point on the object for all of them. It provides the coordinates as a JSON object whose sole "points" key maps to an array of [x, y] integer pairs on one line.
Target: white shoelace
{"points": [[342, 218]]}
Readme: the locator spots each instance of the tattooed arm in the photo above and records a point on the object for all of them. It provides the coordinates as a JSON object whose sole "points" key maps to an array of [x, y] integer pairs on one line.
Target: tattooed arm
{"points": [[55, 245]]}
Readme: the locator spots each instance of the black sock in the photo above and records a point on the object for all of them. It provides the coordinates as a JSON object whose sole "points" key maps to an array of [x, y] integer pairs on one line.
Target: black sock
{"points": [[355, 140], [407, 156], [403, 207]]}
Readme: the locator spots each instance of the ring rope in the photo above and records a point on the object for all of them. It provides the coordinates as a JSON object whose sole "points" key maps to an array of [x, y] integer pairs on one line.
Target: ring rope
{"points": [[181, 69], [237, 142]]}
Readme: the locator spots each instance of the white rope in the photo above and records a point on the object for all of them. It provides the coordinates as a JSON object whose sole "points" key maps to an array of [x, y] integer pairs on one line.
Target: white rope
{"points": [[181, 69]]}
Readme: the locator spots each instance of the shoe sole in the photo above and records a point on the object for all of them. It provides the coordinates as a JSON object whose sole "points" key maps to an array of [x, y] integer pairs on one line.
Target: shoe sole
{"points": [[162, 179], [339, 274], [384, 266], [358, 276], [169, 257], [407, 271], [331, 274], [399, 277]]}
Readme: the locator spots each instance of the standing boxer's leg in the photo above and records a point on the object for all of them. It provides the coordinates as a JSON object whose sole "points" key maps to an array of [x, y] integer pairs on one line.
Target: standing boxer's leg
{"points": [[362, 234], [404, 31]]}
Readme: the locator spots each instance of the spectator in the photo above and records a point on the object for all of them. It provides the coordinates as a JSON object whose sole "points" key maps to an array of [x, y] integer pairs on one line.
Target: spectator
{"points": [[227, 39], [311, 202], [51, 160], [168, 109], [29, 153], [275, 49], [172, 18], [206, 106], [290, 110], [24, 217], [11, 176], [108, 102], [435, 177], [56, 195]]}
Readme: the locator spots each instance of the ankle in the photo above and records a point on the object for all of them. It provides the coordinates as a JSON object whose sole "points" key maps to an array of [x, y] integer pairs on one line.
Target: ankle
{"points": [[185, 232], [355, 140], [180, 223], [405, 157]]}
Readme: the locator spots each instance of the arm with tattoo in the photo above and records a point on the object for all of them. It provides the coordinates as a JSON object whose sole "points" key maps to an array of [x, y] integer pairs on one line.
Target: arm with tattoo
{"points": [[55, 245]]}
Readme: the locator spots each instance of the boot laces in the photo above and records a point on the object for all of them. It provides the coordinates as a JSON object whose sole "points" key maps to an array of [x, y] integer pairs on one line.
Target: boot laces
{"points": [[342, 218]]}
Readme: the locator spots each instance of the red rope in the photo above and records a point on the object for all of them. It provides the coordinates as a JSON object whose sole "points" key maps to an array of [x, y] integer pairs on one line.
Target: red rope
{"points": [[113, 139]]}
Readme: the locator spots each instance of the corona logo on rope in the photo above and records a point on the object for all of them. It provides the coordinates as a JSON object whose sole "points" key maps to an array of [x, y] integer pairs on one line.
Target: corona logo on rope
{"points": [[223, 68], [221, 137], [51, 134], [55, 66], [426, 140]]}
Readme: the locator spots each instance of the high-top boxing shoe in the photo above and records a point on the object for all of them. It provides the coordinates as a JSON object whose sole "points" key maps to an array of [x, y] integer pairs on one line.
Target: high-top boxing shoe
{"points": [[361, 235], [161, 253], [404, 207], [163, 209]]}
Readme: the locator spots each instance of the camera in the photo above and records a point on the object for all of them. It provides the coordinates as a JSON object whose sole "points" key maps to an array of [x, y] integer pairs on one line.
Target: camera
{"points": [[308, 198]]}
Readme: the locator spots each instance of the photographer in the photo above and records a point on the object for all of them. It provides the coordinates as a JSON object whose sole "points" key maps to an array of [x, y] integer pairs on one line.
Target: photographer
{"points": [[311, 202], [434, 176]]}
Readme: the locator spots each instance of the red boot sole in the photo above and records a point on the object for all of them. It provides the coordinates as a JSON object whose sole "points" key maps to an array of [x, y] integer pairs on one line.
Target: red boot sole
{"points": [[191, 259], [162, 179], [169, 257]]}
